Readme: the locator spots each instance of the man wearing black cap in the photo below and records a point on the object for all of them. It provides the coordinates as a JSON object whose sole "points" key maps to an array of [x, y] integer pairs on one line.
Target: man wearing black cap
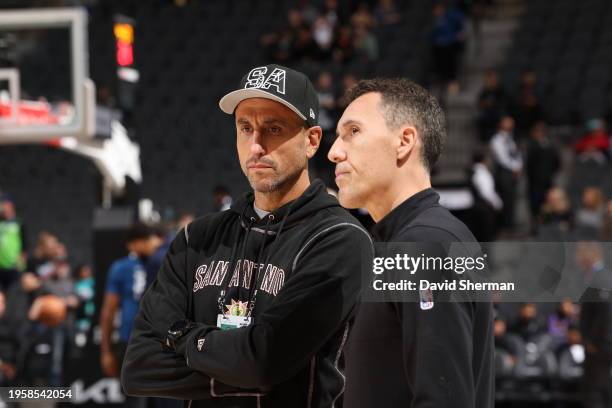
{"points": [[251, 307]]}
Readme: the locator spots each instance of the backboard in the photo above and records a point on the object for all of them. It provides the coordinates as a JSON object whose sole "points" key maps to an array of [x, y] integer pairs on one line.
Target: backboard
{"points": [[45, 92]]}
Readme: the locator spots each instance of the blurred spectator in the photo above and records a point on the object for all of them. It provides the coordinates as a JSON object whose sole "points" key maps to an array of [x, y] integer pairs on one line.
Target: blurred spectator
{"points": [[348, 81], [343, 45], [573, 335], [527, 108], [327, 120], [493, 103], [362, 18], [58, 281], [323, 34], [386, 14], [9, 343], [21, 295], [84, 288], [528, 324], [596, 325], [560, 321], [543, 163], [504, 340], [307, 11], [591, 213], [332, 13], [571, 355], [56, 267], [304, 46], [446, 42], [12, 243], [557, 210], [295, 20], [508, 167], [595, 143], [487, 203], [55, 278], [327, 102], [125, 285], [365, 44], [606, 231], [477, 13], [47, 248], [39, 359], [279, 45], [598, 279], [222, 200]]}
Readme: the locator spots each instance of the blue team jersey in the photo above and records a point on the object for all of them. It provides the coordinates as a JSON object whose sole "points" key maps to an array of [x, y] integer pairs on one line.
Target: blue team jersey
{"points": [[156, 260], [127, 278]]}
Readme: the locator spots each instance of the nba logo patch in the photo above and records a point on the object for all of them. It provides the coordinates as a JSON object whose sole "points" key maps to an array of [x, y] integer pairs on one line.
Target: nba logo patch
{"points": [[200, 344], [426, 297]]}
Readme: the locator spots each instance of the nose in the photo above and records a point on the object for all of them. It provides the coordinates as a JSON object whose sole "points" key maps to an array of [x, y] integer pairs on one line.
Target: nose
{"points": [[257, 148], [337, 152]]}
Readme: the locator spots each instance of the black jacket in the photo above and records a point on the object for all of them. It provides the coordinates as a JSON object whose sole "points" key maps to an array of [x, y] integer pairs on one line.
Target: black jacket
{"points": [[596, 313], [308, 252], [543, 162], [401, 356]]}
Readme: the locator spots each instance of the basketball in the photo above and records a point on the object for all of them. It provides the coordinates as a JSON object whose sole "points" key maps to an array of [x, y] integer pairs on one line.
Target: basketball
{"points": [[52, 310]]}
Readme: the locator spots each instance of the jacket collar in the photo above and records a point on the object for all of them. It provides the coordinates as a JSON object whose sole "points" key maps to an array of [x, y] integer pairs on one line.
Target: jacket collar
{"points": [[404, 213]]}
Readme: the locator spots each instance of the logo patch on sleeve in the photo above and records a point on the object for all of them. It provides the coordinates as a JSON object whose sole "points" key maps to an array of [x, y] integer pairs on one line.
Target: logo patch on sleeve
{"points": [[426, 297]]}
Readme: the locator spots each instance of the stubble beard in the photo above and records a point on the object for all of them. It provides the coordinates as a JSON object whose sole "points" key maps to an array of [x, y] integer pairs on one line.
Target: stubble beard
{"points": [[276, 182]]}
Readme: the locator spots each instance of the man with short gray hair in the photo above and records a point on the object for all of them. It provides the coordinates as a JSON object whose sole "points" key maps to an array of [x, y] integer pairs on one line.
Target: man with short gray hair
{"points": [[407, 354]]}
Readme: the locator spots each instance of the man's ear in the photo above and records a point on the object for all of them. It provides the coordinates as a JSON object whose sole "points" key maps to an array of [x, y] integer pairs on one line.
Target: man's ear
{"points": [[313, 140], [408, 141]]}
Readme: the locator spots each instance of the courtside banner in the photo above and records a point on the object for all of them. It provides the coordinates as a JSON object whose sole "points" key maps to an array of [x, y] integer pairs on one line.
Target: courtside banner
{"points": [[430, 272]]}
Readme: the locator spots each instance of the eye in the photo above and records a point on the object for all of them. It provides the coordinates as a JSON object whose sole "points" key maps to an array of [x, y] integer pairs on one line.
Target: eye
{"points": [[274, 130], [354, 130], [245, 129]]}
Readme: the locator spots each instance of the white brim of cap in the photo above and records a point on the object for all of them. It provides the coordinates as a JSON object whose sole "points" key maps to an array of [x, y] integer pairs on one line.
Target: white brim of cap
{"points": [[229, 102]]}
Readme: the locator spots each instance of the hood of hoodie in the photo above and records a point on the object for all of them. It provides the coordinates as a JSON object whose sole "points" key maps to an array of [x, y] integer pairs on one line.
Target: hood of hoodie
{"points": [[267, 246], [290, 214]]}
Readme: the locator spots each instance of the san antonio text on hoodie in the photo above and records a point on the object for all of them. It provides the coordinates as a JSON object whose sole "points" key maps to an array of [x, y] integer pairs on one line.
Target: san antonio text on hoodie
{"points": [[309, 254]]}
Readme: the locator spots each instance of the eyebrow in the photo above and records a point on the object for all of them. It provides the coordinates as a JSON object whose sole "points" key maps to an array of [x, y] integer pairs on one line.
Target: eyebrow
{"points": [[267, 121], [271, 121], [347, 124]]}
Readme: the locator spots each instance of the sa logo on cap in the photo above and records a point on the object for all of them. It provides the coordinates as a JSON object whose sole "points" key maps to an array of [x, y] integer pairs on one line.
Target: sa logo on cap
{"points": [[258, 79]]}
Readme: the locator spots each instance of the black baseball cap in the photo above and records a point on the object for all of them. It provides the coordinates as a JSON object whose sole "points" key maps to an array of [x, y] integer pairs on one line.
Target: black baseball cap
{"points": [[281, 84]]}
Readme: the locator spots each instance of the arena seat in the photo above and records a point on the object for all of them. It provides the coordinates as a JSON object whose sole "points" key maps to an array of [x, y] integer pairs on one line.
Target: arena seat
{"points": [[565, 42]]}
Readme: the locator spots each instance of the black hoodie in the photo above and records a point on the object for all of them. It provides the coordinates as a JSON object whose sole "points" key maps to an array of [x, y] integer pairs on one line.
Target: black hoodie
{"points": [[309, 252]]}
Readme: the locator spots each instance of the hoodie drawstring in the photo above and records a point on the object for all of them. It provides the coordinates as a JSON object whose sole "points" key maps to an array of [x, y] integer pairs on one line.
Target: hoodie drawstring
{"points": [[255, 277], [253, 280], [233, 260], [243, 242], [243, 252]]}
